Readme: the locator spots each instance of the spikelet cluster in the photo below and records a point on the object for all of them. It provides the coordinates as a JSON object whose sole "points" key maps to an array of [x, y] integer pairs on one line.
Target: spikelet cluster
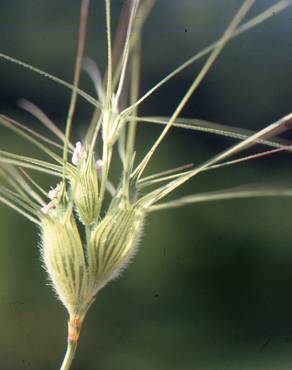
{"points": [[78, 268]]}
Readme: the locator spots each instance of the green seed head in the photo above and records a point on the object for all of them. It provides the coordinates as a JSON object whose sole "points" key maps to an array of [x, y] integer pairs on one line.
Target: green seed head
{"points": [[114, 242], [84, 185], [79, 270], [63, 257]]}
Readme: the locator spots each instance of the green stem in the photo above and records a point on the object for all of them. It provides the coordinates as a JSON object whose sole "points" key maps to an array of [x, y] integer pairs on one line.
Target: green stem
{"points": [[69, 356], [109, 51], [74, 327], [135, 78]]}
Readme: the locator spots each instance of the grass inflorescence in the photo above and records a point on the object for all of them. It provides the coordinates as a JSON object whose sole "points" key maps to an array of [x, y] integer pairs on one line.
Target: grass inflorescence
{"points": [[90, 226]]}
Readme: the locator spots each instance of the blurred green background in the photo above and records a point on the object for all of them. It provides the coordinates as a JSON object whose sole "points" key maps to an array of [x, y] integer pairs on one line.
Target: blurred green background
{"points": [[211, 287]]}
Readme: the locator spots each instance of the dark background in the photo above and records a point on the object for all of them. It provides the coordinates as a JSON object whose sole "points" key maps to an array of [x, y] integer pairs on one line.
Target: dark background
{"points": [[211, 287]]}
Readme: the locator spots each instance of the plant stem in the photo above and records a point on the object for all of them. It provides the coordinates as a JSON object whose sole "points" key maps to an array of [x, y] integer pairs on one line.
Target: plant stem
{"points": [[109, 51], [74, 327], [134, 94], [69, 356]]}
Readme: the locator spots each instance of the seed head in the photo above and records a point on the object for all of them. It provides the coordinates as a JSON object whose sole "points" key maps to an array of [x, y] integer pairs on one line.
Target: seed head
{"points": [[63, 257], [84, 184], [114, 242]]}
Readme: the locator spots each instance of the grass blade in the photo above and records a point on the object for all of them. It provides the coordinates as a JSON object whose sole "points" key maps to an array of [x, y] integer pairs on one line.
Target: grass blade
{"points": [[47, 75], [214, 55], [24, 132], [19, 210], [44, 119], [223, 195], [263, 16], [283, 123], [24, 160], [215, 128]]}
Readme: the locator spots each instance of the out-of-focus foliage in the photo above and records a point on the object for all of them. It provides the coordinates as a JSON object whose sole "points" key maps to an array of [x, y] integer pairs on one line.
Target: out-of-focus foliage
{"points": [[211, 287]]}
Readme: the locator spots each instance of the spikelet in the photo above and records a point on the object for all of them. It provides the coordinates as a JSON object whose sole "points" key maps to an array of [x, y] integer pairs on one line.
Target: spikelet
{"points": [[84, 185], [63, 257], [114, 242]]}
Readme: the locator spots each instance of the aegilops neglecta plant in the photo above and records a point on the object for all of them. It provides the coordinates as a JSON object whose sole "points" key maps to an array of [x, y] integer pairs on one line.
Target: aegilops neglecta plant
{"points": [[86, 240]]}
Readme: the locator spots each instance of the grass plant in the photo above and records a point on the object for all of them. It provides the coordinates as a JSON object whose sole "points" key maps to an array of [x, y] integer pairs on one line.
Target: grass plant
{"points": [[90, 226]]}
